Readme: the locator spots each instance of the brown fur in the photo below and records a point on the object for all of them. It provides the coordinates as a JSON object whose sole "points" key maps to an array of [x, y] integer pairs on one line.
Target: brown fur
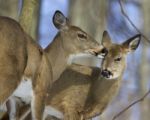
{"points": [[82, 92], [11, 68], [22, 57]]}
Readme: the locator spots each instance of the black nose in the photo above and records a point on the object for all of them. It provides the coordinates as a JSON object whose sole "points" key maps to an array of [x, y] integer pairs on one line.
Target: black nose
{"points": [[104, 52], [106, 73]]}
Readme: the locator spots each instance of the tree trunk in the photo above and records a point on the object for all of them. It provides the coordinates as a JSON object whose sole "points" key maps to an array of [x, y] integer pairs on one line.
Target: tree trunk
{"points": [[145, 61], [29, 16], [9, 8], [89, 15]]}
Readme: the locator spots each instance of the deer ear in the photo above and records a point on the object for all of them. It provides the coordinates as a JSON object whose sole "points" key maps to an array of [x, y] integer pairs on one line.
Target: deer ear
{"points": [[132, 43], [59, 20], [106, 40]]}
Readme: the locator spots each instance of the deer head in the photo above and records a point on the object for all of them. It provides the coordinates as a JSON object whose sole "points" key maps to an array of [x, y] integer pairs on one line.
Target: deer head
{"points": [[114, 62], [73, 39]]}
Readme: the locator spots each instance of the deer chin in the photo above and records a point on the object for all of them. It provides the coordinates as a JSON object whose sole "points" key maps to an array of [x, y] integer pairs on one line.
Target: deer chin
{"points": [[85, 59]]}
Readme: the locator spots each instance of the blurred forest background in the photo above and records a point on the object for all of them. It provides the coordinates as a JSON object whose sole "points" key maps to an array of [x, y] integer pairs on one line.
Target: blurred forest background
{"points": [[94, 16]]}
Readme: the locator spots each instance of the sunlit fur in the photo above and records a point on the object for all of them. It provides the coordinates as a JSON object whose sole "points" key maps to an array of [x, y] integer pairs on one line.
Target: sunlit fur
{"points": [[40, 65]]}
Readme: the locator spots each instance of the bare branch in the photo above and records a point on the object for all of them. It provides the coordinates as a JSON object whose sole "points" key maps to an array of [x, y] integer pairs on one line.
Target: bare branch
{"points": [[135, 102], [130, 21], [148, 40]]}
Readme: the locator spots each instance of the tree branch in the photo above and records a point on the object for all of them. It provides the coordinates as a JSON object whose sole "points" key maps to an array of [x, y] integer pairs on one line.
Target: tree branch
{"points": [[148, 40], [130, 21], [135, 102]]}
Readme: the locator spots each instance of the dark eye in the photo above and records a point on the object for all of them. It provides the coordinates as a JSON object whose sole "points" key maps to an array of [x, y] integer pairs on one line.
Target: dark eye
{"points": [[82, 36], [118, 59]]}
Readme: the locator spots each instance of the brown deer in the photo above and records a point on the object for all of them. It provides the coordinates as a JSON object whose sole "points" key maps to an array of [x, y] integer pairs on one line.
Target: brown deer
{"points": [[83, 92], [22, 58]]}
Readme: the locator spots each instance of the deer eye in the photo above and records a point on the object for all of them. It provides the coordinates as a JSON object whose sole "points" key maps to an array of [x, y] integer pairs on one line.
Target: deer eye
{"points": [[118, 59], [82, 36]]}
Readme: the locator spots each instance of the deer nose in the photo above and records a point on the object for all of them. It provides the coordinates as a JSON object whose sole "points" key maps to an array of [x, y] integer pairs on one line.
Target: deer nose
{"points": [[106, 73], [96, 51]]}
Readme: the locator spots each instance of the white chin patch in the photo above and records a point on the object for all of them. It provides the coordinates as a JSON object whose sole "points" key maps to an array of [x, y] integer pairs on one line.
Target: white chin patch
{"points": [[100, 56], [85, 59]]}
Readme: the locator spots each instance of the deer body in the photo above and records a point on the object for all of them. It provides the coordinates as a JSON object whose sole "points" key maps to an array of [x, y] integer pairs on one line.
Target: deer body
{"points": [[14, 54], [20, 57], [82, 92], [39, 65]]}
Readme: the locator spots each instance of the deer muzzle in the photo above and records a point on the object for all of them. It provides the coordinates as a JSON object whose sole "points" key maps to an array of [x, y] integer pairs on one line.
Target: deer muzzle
{"points": [[106, 74], [95, 51]]}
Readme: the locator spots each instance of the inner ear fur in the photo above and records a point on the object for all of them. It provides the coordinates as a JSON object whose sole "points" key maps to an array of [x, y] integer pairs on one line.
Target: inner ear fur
{"points": [[59, 20], [132, 43]]}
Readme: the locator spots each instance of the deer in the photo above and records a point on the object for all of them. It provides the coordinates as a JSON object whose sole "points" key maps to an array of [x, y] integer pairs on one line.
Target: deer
{"points": [[36, 69], [20, 58], [83, 92]]}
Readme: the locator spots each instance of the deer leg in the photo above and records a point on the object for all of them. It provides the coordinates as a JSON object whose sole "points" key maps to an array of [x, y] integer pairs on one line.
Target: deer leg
{"points": [[37, 106], [43, 80], [26, 113], [13, 109], [8, 85], [11, 105]]}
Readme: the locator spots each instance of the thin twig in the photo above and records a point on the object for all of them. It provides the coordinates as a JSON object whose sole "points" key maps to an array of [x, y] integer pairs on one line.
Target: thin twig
{"points": [[130, 21], [135, 102], [148, 40]]}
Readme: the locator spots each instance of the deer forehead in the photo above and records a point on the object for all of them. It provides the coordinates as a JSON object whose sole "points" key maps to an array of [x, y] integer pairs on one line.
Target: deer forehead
{"points": [[76, 30], [115, 50]]}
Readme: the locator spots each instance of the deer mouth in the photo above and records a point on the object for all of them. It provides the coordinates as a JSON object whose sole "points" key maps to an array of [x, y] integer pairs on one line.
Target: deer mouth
{"points": [[92, 52], [90, 58], [95, 52], [99, 52], [107, 74]]}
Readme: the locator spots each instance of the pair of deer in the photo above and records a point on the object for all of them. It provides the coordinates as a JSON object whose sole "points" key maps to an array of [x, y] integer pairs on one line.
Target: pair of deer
{"points": [[79, 92]]}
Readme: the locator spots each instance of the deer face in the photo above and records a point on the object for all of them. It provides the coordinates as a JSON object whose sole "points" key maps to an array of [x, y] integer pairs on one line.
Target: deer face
{"points": [[115, 61], [74, 39]]}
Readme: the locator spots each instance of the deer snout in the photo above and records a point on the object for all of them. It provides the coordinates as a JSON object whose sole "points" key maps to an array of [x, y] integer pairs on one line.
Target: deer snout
{"points": [[106, 73], [95, 51]]}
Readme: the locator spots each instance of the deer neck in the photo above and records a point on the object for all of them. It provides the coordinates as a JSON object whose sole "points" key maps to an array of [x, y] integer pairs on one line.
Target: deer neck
{"points": [[57, 56]]}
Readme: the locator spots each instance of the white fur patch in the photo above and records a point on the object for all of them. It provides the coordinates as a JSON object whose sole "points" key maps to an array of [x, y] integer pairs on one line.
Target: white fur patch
{"points": [[24, 91], [12, 115], [33, 106], [52, 111], [85, 59]]}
